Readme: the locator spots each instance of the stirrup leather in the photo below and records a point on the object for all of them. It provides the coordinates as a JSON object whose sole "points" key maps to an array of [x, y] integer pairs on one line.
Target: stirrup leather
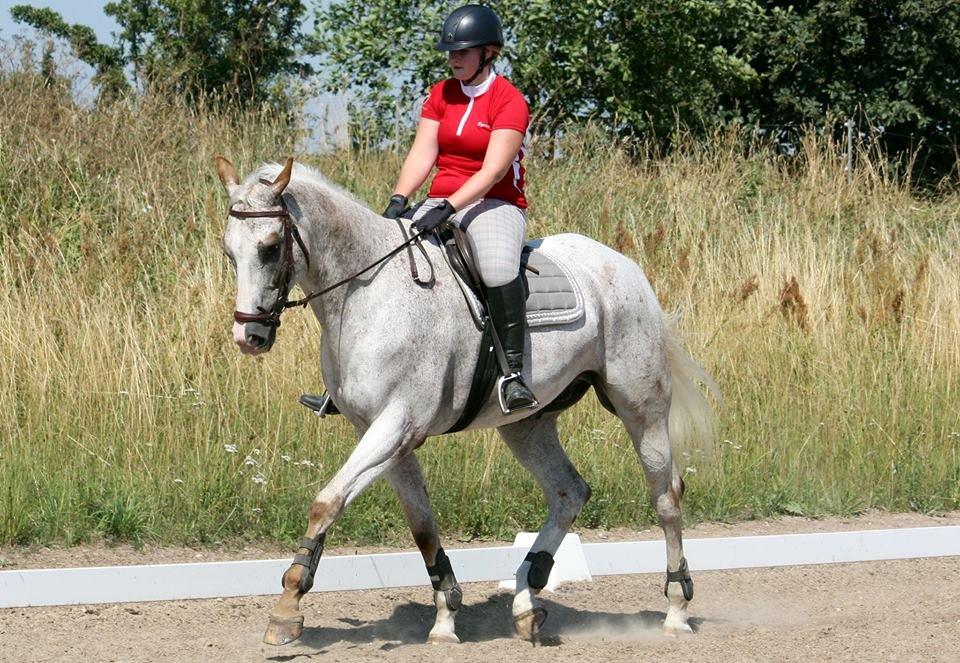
{"points": [[502, 383]]}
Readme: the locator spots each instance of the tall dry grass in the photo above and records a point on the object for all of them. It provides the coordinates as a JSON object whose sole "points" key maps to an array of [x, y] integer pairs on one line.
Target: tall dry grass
{"points": [[827, 306]]}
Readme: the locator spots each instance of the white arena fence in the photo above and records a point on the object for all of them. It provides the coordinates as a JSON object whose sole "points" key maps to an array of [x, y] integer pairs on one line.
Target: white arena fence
{"points": [[575, 561]]}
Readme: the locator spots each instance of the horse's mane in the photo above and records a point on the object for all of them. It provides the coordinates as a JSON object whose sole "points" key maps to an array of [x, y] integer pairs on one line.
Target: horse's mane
{"points": [[309, 177]]}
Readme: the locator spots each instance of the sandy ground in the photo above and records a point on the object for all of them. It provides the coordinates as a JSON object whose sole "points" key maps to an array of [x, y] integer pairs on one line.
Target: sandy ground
{"points": [[901, 610]]}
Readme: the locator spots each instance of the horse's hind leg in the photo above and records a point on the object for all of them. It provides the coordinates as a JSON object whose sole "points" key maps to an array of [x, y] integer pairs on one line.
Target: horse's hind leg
{"points": [[407, 481], [535, 444], [646, 421]]}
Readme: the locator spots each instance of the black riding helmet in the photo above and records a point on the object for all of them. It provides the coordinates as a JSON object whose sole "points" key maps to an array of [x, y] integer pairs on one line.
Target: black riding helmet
{"points": [[469, 26]]}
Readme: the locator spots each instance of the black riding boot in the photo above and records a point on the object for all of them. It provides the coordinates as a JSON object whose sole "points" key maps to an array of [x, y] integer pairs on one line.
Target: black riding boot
{"points": [[508, 307]]}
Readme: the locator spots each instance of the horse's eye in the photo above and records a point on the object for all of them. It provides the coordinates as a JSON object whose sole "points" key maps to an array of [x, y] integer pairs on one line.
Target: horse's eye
{"points": [[270, 253]]}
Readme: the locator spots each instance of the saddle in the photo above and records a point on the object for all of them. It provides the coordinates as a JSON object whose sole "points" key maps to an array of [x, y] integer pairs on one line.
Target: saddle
{"points": [[553, 298]]}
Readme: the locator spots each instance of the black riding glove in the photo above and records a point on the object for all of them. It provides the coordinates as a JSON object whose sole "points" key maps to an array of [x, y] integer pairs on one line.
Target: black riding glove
{"points": [[435, 217], [396, 206]]}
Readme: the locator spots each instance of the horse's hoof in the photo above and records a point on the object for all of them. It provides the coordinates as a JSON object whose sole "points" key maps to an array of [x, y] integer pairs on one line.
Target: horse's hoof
{"points": [[443, 638], [676, 629], [283, 631], [528, 624]]}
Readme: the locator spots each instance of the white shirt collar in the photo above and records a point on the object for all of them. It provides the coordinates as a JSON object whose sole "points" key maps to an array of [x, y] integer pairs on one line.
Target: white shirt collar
{"points": [[476, 90]]}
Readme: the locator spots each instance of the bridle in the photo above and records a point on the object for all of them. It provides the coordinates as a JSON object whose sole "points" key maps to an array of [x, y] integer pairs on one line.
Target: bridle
{"points": [[282, 279]]}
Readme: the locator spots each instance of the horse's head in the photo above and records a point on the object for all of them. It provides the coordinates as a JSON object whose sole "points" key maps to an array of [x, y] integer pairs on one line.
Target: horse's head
{"points": [[259, 242]]}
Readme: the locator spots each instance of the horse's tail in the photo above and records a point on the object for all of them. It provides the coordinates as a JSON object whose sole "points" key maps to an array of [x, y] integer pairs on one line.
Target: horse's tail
{"points": [[691, 419]]}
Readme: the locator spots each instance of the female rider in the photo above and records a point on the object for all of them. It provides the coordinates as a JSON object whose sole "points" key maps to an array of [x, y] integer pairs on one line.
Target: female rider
{"points": [[472, 127]]}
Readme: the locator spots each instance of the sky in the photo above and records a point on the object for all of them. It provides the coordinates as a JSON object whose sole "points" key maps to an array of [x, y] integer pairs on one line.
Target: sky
{"points": [[91, 14], [73, 11]]}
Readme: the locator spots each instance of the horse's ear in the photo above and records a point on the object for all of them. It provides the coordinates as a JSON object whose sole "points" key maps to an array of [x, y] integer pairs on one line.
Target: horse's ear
{"points": [[283, 179], [227, 174]]}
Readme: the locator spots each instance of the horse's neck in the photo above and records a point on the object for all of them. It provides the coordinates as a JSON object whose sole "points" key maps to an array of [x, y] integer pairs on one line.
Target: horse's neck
{"points": [[343, 237]]}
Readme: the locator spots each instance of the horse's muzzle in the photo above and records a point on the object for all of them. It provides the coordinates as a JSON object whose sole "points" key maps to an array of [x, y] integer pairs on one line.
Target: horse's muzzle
{"points": [[254, 338]]}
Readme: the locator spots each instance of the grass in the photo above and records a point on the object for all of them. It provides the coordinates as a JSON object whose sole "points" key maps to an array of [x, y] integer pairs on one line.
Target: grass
{"points": [[827, 307]]}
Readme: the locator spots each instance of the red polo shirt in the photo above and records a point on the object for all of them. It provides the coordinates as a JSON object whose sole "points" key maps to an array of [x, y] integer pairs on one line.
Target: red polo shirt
{"points": [[467, 115]]}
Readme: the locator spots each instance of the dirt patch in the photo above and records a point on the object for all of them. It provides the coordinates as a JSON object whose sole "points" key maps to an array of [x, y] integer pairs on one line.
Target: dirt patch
{"points": [[891, 610]]}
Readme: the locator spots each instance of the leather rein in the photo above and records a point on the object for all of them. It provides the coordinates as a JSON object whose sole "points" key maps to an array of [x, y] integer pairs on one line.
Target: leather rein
{"points": [[271, 316]]}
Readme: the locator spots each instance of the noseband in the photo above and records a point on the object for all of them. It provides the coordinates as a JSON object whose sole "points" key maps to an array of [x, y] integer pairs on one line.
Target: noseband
{"points": [[271, 317]]}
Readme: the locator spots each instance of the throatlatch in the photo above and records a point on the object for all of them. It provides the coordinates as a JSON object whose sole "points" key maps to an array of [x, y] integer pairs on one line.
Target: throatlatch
{"points": [[309, 562], [541, 563], [443, 580], [681, 575]]}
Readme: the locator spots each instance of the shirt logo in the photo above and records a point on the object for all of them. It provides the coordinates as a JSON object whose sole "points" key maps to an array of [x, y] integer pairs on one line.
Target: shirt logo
{"points": [[483, 125]]}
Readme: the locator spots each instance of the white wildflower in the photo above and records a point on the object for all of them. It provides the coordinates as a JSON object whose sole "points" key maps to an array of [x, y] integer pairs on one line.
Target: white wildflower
{"points": [[250, 461], [259, 478], [178, 480], [285, 458], [691, 470], [230, 448]]}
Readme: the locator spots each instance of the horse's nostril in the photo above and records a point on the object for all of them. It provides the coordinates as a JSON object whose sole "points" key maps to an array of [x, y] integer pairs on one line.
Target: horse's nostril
{"points": [[256, 341]]}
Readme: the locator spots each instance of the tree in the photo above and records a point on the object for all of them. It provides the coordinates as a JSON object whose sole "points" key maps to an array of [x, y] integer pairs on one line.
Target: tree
{"points": [[107, 61], [632, 65], [233, 49], [894, 64]]}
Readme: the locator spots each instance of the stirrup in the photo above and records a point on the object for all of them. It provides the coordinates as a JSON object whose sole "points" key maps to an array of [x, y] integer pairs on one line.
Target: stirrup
{"points": [[502, 382], [321, 405]]}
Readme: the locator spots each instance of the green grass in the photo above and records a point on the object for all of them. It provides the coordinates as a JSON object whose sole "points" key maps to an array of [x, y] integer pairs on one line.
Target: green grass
{"points": [[128, 413]]}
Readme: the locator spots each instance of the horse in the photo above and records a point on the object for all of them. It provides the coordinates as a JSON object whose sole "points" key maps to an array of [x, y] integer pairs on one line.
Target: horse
{"points": [[398, 356]]}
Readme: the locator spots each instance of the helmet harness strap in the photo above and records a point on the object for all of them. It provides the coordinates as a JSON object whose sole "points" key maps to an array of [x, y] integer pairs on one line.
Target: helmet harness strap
{"points": [[484, 61]]}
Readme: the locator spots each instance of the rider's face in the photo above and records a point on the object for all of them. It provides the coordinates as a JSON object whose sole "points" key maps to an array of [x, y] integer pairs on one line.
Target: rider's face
{"points": [[464, 62]]}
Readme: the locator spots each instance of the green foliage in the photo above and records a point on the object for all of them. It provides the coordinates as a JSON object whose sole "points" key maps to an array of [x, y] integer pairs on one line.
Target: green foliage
{"points": [[887, 62], [243, 51], [631, 66], [645, 67]]}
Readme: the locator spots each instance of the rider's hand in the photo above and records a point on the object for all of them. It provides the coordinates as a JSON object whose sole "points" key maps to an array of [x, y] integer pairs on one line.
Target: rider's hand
{"points": [[435, 217], [396, 206]]}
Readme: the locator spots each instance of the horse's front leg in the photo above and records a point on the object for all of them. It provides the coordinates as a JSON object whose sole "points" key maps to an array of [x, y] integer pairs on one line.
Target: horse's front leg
{"points": [[389, 437]]}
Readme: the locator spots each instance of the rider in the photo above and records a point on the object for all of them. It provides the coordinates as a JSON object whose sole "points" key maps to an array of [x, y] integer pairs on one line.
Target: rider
{"points": [[472, 128]]}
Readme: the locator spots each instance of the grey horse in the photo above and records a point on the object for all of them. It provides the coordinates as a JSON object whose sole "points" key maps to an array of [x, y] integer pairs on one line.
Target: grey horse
{"points": [[398, 359]]}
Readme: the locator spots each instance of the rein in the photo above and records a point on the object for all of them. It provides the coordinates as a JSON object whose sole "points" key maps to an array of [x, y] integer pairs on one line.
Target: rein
{"points": [[271, 316]]}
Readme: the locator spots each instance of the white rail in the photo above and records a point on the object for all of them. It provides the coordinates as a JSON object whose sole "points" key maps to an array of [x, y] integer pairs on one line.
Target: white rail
{"points": [[160, 582]]}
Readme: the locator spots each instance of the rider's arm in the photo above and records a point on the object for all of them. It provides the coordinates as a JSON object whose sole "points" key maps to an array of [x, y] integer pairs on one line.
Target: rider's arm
{"points": [[501, 152], [420, 158]]}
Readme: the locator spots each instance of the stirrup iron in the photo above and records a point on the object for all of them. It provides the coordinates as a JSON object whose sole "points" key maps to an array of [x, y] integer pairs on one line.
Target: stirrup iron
{"points": [[502, 382], [320, 405]]}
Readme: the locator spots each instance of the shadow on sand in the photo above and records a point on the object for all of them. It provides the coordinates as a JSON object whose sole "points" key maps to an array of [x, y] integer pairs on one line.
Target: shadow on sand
{"points": [[490, 620]]}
